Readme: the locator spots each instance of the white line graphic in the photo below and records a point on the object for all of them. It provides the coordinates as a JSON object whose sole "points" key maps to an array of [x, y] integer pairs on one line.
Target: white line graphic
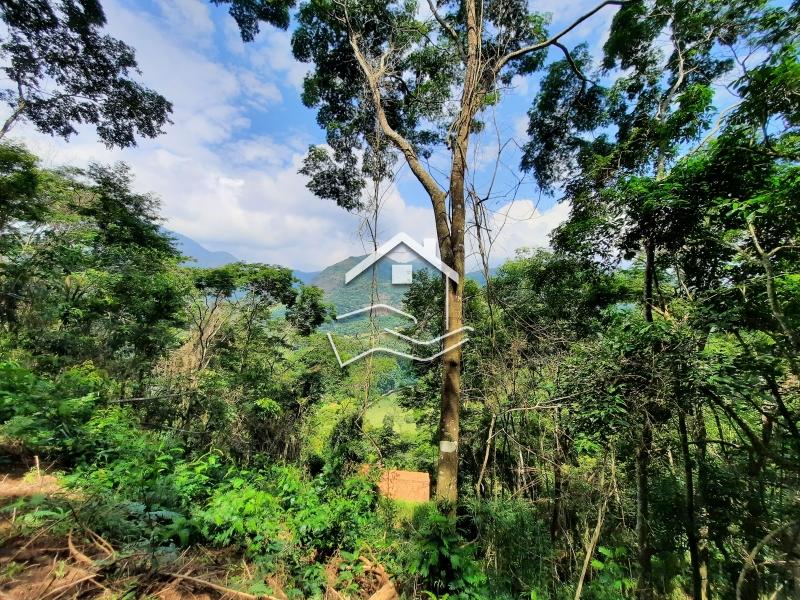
{"points": [[371, 307], [390, 351], [428, 342], [402, 274]]}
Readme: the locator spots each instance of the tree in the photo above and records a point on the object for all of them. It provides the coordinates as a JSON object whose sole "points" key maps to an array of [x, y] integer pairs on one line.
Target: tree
{"points": [[19, 181], [422, 84], [614, 147], [65, 72], [308, 311], [87, 274]]}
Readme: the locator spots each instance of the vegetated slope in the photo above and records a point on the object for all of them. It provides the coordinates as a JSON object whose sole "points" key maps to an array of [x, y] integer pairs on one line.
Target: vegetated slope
{"points": [[357, 293]]}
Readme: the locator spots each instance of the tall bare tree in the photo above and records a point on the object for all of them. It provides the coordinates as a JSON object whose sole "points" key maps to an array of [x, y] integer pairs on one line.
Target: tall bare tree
{"points": [[424, 75]]}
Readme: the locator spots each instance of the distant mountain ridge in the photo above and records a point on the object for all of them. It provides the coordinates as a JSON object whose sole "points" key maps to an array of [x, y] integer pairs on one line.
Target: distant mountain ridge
{"points": [[306, 277], [202, 257], [330, 279]]}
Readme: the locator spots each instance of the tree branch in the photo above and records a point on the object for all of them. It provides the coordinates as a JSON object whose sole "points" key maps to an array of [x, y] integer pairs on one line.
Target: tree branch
{"points": [[572, 62], [520, 52], [436, 194], [448, 29], [18, 110]]}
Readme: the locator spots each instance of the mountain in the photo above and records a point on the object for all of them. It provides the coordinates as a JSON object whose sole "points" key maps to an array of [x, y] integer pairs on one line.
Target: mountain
{"points": [[358, 292], [203, 257], [479, 276], [330, 279], [306, 277]]}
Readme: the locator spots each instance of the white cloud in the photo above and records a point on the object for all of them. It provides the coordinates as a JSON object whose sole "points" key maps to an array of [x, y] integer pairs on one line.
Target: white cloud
{"points": [[190, 19], [263, 150], [519, 224], [271, 52], [241, 192], [261, 92], [233, 37]]}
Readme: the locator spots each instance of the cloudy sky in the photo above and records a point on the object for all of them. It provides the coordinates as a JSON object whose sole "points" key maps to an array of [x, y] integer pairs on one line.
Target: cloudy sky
{"points": [[226, 170]]}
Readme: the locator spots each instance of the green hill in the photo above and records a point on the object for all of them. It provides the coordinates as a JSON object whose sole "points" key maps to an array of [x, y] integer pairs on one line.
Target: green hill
{"points": [[358, 293]]}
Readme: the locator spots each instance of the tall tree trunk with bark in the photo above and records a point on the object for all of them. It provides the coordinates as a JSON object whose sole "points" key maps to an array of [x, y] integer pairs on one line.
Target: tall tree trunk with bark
{"points": [[691, 525], [644, 586], [702, 511], [753, 523], [447, 467], [481, 71]]}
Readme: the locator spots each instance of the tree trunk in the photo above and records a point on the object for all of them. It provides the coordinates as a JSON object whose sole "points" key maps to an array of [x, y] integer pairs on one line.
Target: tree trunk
{"points": [[644, 586], [691, 525], [447, 469], [9, 122], [753, 522], [702, 511]]}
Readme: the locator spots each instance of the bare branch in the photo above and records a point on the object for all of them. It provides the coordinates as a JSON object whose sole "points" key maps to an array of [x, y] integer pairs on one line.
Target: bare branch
{"points": [[448, 29], [573, 65], [437, 195], [551, 41]]}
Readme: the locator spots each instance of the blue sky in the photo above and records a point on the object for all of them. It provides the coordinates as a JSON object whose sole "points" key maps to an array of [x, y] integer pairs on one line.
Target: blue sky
{"points": [[226, 170]]}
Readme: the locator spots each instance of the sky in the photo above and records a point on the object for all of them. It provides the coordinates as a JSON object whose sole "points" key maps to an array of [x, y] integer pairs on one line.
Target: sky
{"points": [[226, 170]]}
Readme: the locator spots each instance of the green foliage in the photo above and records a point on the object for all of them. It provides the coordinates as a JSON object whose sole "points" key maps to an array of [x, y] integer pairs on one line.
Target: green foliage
{"points": [[309, 311], [49, 415], [441, 559], [513, 543], [64, 71], [610, 581], [646, 367]]}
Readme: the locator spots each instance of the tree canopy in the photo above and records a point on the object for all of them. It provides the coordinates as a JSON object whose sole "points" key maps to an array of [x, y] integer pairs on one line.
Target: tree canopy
{"points": [[65, 72], [623, 422]]}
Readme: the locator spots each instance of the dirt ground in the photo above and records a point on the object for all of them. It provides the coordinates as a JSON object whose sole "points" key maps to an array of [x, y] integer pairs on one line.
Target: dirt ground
{"points": [[43, 566]]}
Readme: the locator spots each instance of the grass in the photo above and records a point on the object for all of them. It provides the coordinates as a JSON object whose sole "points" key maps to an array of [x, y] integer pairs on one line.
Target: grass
{"points": [[403, 419]]}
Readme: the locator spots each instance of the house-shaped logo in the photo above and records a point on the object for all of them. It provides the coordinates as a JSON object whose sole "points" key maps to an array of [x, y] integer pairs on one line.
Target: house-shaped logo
{"points": [[401, 249]]}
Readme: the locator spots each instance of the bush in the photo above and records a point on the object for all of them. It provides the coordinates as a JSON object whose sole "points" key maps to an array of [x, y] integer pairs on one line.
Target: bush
{"points": [[440, 558], [262, 513], [242, 513], [47, 416], [513, 538]]}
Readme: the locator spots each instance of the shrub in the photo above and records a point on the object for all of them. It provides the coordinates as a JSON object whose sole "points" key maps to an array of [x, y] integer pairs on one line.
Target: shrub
{"points": [[242, 513], [47, 416], [513, 534], [441, 559]]}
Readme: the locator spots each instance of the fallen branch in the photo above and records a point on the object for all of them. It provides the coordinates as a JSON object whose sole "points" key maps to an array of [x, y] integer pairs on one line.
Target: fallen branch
{"points": [[387, 592], [103, 544], [60, 590], [221, 588], [77, 554]]}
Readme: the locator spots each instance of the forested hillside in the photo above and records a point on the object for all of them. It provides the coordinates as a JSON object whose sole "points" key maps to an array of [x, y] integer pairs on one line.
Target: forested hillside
{"points": [[627, 407]]}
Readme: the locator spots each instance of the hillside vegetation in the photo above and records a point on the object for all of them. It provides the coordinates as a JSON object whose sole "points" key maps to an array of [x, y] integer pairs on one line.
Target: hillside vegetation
{"points": [[623, 422], [179, 410]]}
